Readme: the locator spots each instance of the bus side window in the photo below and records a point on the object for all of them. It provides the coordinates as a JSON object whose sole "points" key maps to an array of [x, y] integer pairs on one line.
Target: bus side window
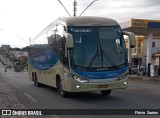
{"points": [[52, 42], [62, 44], [62, 50]]}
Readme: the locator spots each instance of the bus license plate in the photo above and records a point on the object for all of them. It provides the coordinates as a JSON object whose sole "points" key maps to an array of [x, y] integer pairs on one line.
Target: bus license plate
{"points": [[103, 86]]}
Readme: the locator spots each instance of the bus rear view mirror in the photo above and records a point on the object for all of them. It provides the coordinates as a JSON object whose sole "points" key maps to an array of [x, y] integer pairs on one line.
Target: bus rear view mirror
{"points": [[132, 38], [69, 40]]}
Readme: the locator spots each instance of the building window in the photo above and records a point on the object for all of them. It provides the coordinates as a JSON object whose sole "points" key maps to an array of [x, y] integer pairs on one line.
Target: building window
{"points": [[153, 44]]}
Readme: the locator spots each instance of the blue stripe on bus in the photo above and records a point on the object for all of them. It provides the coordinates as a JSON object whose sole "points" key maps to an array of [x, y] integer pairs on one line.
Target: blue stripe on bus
{"points": [[101, 75], [44, 60]]}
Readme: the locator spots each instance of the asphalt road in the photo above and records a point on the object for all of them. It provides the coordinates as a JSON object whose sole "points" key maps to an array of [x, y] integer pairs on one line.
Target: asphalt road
{"points": [[138, 95]]}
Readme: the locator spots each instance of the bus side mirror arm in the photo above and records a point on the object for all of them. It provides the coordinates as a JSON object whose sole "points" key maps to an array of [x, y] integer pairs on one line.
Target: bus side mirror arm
{"points": [[69, 40], [131, 38]]}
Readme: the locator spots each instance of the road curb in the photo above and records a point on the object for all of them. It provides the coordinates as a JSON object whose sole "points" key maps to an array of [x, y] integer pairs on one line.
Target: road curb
{"points": [[143, 78]]}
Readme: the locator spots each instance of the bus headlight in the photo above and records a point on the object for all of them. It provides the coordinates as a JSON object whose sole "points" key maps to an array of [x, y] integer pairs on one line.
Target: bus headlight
{"points": [[80, 79], [125, 83]]}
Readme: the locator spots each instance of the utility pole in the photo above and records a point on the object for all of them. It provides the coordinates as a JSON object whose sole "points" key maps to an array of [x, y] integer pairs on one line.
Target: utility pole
{"points": [[74, 8]]}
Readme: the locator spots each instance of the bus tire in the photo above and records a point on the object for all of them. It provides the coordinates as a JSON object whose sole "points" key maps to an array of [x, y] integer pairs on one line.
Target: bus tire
{"points": [[106, 92], [32, 76], [60, 89], [36, 83]]}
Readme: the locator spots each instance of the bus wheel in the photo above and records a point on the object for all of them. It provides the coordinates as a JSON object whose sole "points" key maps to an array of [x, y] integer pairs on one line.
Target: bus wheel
{"points": [[36, 83], [60, 89], [32, 76], [106, 92]]}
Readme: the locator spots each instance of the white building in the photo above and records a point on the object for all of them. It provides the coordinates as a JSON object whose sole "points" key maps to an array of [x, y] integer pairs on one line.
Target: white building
{"points": [[147, 50]]}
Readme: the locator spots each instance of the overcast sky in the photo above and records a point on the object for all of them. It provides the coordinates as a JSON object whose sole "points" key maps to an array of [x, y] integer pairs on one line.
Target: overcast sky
{"points": [[21, 19]]}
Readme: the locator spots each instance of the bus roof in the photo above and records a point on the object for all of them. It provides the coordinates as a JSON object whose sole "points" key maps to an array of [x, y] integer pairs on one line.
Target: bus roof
{"points": [[87, 21], [81, 21]]}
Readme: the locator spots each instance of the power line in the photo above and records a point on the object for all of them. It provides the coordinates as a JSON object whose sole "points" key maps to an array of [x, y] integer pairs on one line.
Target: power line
{"points": [[23, 40], [64, 8], [88, 6]]}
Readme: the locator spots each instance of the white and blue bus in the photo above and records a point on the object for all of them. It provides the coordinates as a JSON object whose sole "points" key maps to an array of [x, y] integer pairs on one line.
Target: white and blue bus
{"points": [[80, 54]]}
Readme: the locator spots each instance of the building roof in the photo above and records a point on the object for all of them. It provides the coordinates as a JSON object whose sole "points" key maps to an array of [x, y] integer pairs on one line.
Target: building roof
{"points": [[142, 27]]}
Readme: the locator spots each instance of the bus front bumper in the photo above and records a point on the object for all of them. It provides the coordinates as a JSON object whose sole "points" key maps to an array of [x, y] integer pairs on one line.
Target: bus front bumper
{"points": [[84, 87]]}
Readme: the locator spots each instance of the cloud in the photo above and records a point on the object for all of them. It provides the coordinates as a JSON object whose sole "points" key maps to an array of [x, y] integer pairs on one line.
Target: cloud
{"points": [[152, 2], [123, 9]]}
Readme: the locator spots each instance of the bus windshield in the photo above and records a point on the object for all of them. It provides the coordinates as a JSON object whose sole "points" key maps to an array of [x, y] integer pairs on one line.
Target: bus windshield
{"points": [[98, 48]]}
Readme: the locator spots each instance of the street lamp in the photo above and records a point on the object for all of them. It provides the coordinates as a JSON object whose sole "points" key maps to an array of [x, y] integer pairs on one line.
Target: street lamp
{"points": [[88, 6]]}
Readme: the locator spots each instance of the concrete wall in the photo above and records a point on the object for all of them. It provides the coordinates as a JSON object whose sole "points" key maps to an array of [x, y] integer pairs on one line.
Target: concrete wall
{"points": [[154, 50], [157, 46]]}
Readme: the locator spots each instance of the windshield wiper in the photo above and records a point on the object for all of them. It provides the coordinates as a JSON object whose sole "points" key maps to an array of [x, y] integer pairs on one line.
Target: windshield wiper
{"points": [[94, 57], [109, 60], [99, 49]]}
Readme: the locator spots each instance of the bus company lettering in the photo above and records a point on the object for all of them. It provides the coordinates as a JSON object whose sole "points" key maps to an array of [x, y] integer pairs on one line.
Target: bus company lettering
{"points": [[112, 75], [43, 58]]}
